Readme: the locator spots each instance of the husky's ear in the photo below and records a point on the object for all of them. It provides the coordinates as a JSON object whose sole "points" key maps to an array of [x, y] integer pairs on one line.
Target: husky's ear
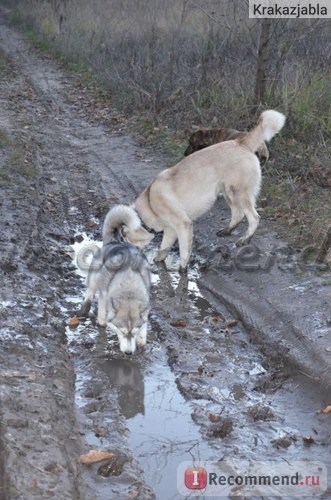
{"points": [[139, 237]]}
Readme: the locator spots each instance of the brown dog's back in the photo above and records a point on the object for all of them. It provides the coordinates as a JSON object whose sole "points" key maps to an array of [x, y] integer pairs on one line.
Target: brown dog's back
{"points": [[205, 137]]}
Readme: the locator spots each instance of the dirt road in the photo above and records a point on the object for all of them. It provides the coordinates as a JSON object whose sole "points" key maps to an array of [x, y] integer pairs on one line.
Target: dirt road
{"points": [[238, 358]]}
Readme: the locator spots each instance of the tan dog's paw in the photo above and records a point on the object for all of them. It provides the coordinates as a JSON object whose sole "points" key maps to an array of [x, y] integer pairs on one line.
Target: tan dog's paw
{"points": [[102, 324], [224, 232]]}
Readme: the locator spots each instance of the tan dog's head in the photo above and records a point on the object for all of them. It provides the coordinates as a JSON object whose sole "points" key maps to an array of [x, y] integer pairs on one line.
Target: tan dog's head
{"points": [[139, 237]]}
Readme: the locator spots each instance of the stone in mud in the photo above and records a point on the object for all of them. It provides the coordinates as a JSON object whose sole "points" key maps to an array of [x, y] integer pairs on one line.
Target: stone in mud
{"points": [[114, 466], [221, 429]]}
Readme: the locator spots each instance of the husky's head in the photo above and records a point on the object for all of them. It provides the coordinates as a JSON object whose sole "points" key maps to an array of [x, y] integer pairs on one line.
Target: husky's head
{"points": [[129, 320]]}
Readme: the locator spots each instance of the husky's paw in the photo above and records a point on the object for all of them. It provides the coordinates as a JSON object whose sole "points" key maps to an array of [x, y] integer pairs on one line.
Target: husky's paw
{"points": [[141, 341]]}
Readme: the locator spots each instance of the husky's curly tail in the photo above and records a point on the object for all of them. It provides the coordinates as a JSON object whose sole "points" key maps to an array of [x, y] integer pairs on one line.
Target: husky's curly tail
{"points": [[116, 218], [269, 124], [123, 224]]}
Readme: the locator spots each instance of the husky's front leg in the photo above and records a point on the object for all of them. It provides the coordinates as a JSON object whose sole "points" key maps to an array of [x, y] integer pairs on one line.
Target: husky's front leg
{"points": [[102, 308], [92, 288], [142, 335]]}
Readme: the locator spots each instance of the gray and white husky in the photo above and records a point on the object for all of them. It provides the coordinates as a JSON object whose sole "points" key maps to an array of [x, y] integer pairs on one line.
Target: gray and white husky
{"points": [[122, 278]]}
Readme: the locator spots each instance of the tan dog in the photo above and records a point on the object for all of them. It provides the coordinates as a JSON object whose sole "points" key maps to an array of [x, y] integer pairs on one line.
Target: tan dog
{"points": [[204, 137], [181, 194]]}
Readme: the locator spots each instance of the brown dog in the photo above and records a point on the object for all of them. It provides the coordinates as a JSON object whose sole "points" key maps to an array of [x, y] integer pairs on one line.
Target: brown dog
{"points": [[204, 137]]}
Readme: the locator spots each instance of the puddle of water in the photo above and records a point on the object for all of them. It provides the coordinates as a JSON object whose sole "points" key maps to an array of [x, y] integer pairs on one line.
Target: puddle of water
{"points": [[162, 432], [7, 303]]}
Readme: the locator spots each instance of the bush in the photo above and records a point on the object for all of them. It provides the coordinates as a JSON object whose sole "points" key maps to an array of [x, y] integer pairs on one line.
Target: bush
{"points": [[182, 63]]}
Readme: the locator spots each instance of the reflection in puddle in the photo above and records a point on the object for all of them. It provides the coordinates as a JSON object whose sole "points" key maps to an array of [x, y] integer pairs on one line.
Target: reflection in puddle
{"points": [[165, 435], [127, 377]]}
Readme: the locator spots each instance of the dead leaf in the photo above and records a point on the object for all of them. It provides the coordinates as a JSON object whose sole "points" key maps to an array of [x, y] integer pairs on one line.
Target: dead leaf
{"points": [[53, 468], [34, 484], [29, 376], [94, 456], [133, 494], [214, 418], [74, 321], [90, 224], [101, 431], [308, 440], [181, 323], [327, 409], [217, 317], [231, 323]]}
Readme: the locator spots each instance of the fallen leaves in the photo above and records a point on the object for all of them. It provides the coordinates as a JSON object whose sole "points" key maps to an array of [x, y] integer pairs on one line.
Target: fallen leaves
{"points": [[94, 456], [217, 318], [214, 418], [54, 468], [14, 374], [308, 440], [181, 323], [327, 409], [101, 431], [74, 321]]}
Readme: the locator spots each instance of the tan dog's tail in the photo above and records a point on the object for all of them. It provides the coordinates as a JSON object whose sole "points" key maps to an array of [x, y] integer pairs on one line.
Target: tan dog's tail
{"points": [[269, 124], [123, 222]]}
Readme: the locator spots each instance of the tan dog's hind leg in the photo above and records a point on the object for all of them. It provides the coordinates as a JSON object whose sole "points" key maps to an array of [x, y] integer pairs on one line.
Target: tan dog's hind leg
{"points": [[237, 214], [253, 221], [241, 205]]}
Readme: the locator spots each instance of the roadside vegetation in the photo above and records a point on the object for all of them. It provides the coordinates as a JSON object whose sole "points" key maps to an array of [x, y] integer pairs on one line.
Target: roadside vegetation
{"points": [[170, 65]]}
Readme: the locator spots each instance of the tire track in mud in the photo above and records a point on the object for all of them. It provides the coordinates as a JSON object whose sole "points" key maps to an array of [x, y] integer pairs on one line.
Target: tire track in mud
{"points": [[33, 395], [270, 327], [59, 181]]}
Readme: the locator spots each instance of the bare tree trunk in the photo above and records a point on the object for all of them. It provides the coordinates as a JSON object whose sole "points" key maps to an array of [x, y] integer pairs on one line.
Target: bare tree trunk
{"points": [[262, 60]]}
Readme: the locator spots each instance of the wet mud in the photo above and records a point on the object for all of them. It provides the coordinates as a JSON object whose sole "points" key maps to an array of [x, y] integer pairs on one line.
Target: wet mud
{"points": [[238, 358]]}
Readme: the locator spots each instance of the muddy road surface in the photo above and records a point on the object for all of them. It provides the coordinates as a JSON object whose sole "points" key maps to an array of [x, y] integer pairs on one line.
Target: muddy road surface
{"points": [[237, 364]]}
